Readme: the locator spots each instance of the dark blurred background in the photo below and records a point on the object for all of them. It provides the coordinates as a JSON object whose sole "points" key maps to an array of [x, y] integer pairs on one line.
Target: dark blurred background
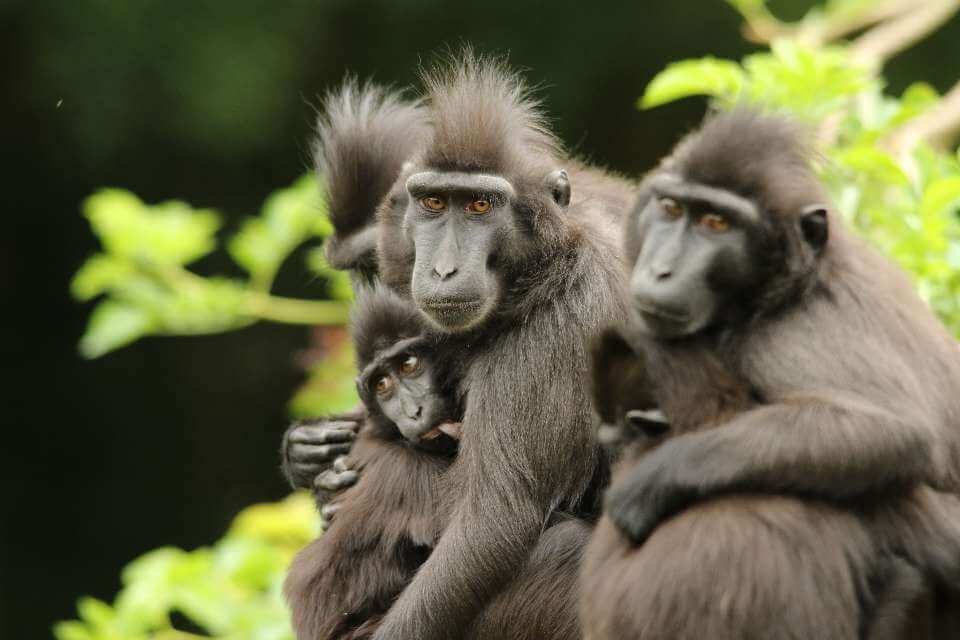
{"points": [[212, 102]]}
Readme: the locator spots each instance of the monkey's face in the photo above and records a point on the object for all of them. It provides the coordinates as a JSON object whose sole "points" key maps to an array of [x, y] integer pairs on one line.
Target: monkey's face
{"points": [[694, 251], [465, 235], [456, 222], [400, 384]]}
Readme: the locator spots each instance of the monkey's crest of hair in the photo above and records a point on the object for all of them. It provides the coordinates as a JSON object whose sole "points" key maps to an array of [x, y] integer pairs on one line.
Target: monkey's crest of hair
{"points": [[762, 157], [484, 119], [364, 135], [381, 318]]}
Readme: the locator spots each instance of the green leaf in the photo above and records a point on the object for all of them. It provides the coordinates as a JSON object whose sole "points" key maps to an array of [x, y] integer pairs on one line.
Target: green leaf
{"points": [[748, 7], [874, 163], [292, 522], [916, 99], [338, 282], [170, 233], [705, 76], [113, 325], [99, 274], [72, 630], [96, 613], [290, 217], [941, 196]]}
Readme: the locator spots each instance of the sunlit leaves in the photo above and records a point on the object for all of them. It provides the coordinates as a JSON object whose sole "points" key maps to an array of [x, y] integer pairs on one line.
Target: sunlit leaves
{"points": [[113, 325], [167, 233], [230, 590], [811, 83], [143, 272], [289, 218], [704, 76]]}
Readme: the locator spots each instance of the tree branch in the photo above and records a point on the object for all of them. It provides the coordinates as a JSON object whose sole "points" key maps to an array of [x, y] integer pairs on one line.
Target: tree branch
{"points": [[889, 38]]}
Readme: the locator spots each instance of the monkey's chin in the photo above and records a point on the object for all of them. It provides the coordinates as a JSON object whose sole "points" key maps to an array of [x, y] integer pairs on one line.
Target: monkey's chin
{"points": [[663, 327], [455, 316]]}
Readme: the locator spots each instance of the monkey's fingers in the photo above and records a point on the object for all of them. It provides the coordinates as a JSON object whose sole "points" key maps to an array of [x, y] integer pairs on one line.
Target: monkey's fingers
{"points": [[341, 464], [331, 480], [317, 453], [327, 512], [302, 475], [327, 432]]}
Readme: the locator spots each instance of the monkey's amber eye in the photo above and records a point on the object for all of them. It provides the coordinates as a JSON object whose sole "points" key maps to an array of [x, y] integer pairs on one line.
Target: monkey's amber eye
{"points": [[383, 385], [715, 222], [671, 207], [479, 206], [433, 203], [410, 365]]}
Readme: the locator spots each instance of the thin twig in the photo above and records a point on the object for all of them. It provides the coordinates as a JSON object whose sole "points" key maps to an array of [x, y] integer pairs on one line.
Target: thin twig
{"points": [[841, 25], [889, 38], [762, 26]]}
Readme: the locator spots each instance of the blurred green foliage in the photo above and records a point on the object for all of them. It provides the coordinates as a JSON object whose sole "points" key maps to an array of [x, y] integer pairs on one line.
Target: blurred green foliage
{"points": [[146, 287], [230, 590], [904, 200]]}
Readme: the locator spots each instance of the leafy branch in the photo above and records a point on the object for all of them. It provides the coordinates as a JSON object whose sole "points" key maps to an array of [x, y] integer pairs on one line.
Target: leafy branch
{"points": [[147, 288]]}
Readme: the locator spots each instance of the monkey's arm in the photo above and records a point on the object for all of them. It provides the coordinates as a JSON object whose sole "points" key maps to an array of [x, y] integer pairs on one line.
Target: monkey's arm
{"points": [[831, 445], [527, 444]]}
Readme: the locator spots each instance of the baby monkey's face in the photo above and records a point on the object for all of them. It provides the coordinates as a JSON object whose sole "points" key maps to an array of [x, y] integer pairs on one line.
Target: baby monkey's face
{"points": [[402, 382]]}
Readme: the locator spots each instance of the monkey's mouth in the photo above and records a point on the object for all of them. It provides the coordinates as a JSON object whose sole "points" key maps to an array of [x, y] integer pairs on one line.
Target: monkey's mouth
{"points": [[661, 314], [454, 314], [449, 429]]}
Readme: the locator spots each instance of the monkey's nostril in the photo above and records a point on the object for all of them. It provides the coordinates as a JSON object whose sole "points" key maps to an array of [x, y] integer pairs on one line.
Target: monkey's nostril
{"points": [[416, 414], [444, 272]]}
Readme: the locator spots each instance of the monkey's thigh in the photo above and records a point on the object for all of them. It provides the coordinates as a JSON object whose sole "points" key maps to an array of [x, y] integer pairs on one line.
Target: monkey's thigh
{"points": [[735, 567], [541, 602]]}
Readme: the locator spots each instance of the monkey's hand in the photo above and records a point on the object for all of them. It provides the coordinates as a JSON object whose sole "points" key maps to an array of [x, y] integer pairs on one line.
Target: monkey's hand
{"points": [[658, 486], [310, 448]]}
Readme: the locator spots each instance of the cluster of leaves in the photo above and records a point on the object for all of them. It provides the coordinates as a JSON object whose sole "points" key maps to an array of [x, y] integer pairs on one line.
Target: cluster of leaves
{"points": [[229, 590], [905, 201], [147, 289]]}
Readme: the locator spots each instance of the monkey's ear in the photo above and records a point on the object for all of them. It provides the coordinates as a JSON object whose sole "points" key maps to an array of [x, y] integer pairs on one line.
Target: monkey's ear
{"points": [[559, 184], [813, 224]]}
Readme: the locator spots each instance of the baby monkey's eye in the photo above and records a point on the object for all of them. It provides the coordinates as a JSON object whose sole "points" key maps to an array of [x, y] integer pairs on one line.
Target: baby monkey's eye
{"points": [[383, 385], [433, 203], [671, 207], [410, 365], [715, 222], [479, 206]]}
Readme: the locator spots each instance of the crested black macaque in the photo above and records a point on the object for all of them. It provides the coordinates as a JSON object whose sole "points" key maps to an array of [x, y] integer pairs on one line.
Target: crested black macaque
{"points": [[788, 358], [908, 574], [501, 242], [340, 585], [364, 135]]}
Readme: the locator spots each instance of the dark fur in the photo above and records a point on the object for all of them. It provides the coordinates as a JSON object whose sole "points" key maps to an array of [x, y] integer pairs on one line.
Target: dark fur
{"points": [[364, 135], [342, 584], [528, 447], [831, 380]]}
